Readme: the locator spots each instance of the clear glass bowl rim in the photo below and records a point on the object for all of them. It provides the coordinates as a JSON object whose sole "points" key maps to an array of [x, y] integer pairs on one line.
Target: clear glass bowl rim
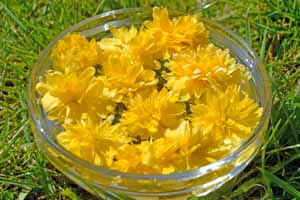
{"points": [[31, 101]]}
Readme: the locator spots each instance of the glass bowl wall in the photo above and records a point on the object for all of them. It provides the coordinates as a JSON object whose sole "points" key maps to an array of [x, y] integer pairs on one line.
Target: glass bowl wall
{"points": [[99, 180]]}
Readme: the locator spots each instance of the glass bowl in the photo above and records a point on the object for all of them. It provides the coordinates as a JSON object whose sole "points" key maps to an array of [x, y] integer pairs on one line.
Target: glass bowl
{"points": [[105, 182]]}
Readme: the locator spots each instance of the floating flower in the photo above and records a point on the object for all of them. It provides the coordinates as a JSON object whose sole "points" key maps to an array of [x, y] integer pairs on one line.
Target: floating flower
{"points": [[193, 72], [174, 35], [119, 43], [79, 139], [124, 34], [148, 157], [90, 141], [186, 140], [167, 156], [140, 46], [74, 53], [229, 116], [148, 116], [61, 93], [95, 103], [126, 159], [158, 156], [66, 96], [146, 50], [123, 77]]}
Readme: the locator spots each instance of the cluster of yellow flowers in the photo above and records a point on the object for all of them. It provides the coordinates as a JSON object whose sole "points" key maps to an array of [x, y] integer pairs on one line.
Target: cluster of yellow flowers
{"points": [[157, 99]]}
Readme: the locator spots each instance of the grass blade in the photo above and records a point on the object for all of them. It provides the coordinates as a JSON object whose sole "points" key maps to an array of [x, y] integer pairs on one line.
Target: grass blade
{"points": [[282, 184], [14, 17]]}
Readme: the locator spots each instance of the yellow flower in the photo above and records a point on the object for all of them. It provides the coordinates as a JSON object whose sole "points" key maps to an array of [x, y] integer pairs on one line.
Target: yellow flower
{"points": [[123, 77], [173, 35], [193, 72], [90, 141], [111, 135], [145, 50], [154, 159], [185, 139], [95, 103], [196, 148], [148, 157], [229, 116], [73, 53], [148, 116], [124, 34], [61, 93], [79, 139], [146, 152], [127, 158], [168, 158], [119, 43], [192, 31], [66, 96], [140, 46], [210, 151], [165, 149]]}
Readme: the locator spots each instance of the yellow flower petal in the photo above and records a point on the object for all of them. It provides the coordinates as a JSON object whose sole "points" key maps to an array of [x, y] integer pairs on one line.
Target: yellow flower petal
{"points": [[124, 76], [66, 96], [73, 53], [195, 71], [173, 35], [227, 115], [150, 115], [91, 141]]}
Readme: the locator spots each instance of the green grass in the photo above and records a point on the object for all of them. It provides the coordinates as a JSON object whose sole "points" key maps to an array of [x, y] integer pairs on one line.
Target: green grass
{"points": [[270, 27]]}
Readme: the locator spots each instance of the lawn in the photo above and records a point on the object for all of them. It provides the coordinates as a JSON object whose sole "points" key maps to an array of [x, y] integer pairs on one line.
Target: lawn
{"points": [[270, 27]]}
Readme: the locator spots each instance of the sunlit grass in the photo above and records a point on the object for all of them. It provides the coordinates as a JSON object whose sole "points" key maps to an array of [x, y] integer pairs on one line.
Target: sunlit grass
{"points": [[270, 27]]}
